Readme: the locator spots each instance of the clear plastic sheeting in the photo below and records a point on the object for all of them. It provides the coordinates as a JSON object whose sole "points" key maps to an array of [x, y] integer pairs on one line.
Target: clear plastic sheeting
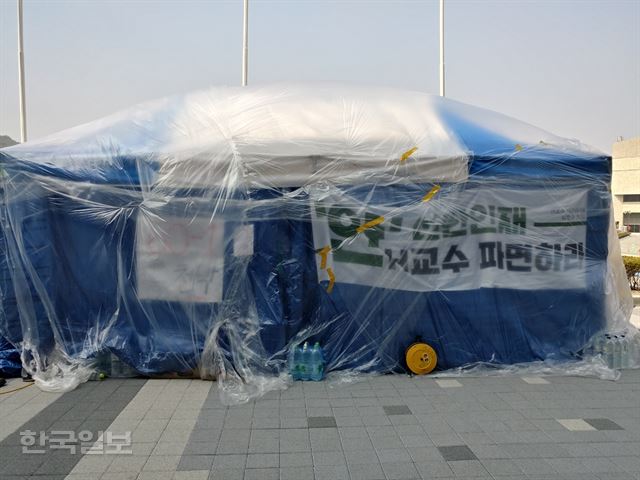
{"points": [[209, 234]]}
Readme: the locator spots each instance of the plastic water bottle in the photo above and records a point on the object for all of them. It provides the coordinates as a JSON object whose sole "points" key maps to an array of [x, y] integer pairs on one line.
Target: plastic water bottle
{"points": [[617, 352], [634, 351], [624, 352], [317, 363], [305, 364], [598, 345], [608, 350]]}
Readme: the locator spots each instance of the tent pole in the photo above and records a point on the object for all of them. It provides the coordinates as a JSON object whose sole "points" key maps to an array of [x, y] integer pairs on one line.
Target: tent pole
{"points": [[23, 110], [442, 48], [245, 42]]}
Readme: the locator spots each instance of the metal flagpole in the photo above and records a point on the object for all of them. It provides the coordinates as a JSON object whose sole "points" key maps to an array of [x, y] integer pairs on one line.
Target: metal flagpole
{"points": [[442, 48], [245, 42], [23, 110]]}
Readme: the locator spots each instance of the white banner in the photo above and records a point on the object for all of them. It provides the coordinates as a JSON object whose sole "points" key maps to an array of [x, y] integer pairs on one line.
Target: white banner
{"points": [[179, 259], [468, 239]]}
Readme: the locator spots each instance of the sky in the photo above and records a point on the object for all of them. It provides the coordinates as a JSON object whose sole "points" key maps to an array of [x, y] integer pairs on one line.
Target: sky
{"points": [[569, 66]]}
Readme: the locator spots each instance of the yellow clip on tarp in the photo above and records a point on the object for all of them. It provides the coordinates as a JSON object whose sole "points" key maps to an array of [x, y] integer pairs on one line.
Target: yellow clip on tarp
{"points": [[332, 280], [407, 154], [324, 253], [370, 224], [518, 147], [431, 193]]}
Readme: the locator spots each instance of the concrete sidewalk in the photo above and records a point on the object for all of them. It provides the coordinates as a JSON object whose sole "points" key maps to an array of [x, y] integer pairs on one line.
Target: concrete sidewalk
{"points": [[388, 427]]}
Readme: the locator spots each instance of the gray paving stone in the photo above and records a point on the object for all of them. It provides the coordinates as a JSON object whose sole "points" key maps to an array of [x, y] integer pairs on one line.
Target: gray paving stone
{"points": [[354, 421], [205, 435], [489, 451], [127, 463], [395, 455], [396, 410], [445, 440], [19, 465], [263, 460], [268, 422], [331, 472], [361, 457], [321, 422], [262, 474], [567, 465], [294, 440], [201, 448], [195, 462], [353, 432], [629, 464], [298, 459], [424, 454], [387, 442], [372, 420], [325, 439], [400, 471], [264, 441], [191, 475], [168, 448], [142, 476], [468, 468], [162, 463], [531, 466], [345, 411], [501, 467], [381, 431], [603, 424], [413, 429], [367, 471], [229, 461], [297, 473], [329, 458], [234, 441], [110, 476], [435, 469], [319, 412], [227, 474], [455, 453]]}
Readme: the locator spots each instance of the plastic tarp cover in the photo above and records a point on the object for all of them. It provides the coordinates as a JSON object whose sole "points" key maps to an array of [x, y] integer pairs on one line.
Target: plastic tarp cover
{"points": [[210, 233]]}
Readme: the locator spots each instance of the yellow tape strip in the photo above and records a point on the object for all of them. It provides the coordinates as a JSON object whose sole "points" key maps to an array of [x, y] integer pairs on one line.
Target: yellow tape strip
{"points": [[324, 253], [332, 280], [518, 147], [407, 154], [370, 224], [431, 193]]}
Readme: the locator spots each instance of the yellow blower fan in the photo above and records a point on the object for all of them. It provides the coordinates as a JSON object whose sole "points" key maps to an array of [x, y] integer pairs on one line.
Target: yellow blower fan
{"points": [[421, 358]]}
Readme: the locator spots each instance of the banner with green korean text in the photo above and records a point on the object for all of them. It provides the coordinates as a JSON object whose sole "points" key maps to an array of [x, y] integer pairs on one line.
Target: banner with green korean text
{"points": [[465, 239]]}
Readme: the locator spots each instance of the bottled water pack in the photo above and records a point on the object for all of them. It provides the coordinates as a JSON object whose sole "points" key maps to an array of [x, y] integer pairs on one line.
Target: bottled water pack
{"points": [[306, 363], [618, 349]]}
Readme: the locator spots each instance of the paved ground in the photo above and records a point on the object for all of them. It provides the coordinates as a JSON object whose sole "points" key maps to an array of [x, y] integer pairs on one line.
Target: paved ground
{"points": [[390, 427]]}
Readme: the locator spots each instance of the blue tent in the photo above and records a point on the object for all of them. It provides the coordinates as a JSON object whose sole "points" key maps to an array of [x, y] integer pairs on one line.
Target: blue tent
{"points": [[214, 230]]}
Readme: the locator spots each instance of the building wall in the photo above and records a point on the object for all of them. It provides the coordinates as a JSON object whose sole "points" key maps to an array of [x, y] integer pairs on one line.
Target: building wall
{"points": [[626, 181]]}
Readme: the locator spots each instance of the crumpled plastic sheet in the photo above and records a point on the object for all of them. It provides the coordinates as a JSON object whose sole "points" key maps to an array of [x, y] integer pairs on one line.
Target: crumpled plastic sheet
{"points": [[208, 234]]}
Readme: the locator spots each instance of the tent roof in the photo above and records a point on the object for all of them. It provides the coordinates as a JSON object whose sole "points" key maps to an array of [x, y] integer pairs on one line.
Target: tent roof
{"points": [[294, 135]]}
